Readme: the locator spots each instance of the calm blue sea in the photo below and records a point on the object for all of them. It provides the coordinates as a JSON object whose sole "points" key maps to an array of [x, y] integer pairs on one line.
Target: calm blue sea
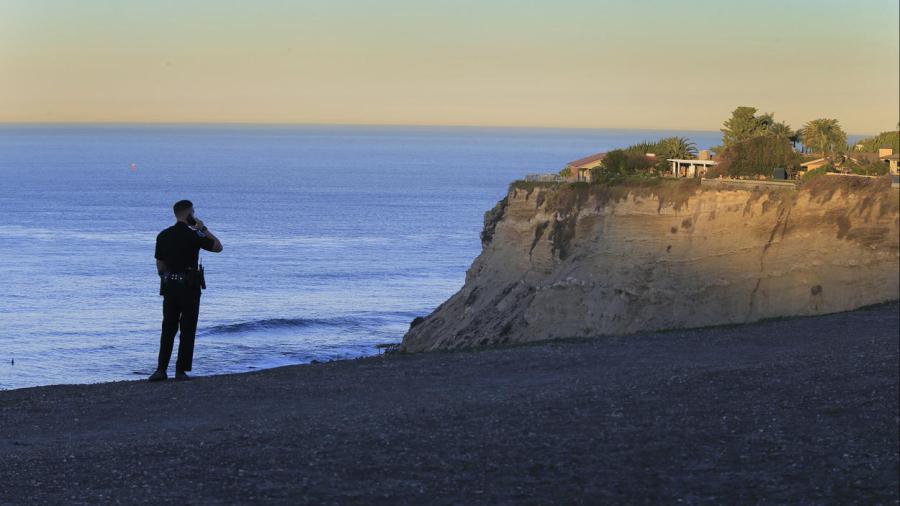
{"points": [[335, 237]]}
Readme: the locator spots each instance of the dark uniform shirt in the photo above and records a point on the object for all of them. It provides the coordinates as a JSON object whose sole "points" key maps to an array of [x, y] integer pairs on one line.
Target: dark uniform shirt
{"points": [[179, 247]]}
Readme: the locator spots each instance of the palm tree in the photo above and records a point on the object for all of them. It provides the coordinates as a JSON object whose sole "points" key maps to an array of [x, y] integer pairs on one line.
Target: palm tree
{"points": [[642, 147], [796, 138], [765, 122], [780, 129], [824, 135], [677, 147]]}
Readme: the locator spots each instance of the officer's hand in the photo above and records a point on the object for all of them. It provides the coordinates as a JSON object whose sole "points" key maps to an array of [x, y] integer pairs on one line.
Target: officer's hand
{"points": [[198, 224]]}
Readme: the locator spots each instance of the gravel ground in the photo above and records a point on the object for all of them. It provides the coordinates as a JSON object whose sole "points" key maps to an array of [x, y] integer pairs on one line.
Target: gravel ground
{"points": [[801, 410]]}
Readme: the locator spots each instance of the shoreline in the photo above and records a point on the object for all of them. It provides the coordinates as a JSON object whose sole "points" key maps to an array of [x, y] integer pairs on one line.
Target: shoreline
{"points": [[382, 349], [786, 410], [138, 376]]}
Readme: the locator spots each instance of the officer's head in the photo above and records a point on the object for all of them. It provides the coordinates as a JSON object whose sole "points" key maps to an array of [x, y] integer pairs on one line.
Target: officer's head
{"points": [[183, 208]]}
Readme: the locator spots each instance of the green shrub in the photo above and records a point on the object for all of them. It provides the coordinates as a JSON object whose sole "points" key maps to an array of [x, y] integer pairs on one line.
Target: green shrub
{"points": [[817, 172], [620, 164], [644, 179], [869, 169], [758, 156]]}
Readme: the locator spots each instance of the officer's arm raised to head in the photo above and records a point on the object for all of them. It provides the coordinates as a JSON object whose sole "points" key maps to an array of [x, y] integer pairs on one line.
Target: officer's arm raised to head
{"points": [[210, 242], [216, 246]]}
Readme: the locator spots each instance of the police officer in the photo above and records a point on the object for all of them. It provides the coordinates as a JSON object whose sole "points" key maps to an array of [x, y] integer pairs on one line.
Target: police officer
{"points": [[177, 251]]}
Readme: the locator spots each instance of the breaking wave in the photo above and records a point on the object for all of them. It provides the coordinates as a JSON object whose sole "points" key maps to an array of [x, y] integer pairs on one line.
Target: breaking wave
{"points": [[290, 323]]}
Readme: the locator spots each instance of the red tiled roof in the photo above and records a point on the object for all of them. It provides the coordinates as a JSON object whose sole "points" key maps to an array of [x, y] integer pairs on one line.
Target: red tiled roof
{"points": [[586, 160]]}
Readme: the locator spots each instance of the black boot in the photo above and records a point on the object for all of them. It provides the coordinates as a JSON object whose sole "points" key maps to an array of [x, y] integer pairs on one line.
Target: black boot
{"points": [[159, 375], [181, 376]]}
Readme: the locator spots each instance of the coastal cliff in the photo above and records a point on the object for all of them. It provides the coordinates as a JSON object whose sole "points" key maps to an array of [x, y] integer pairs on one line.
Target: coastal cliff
{"points": [[562, 261]]}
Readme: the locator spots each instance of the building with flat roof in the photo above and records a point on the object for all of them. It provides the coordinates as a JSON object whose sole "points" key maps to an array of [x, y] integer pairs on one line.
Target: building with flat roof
{"points": [[690, 167], [814, 164]]}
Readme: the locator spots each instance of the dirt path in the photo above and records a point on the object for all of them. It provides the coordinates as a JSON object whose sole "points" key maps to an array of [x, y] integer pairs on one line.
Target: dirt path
{"points": [[796, 410]]}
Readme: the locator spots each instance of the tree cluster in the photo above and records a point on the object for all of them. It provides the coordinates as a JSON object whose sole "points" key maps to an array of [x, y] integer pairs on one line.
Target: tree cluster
{"points": [[889, 139], [745, 124], [620, 164], [755, 144], [665, 148], [758, 156], [824, 136]]}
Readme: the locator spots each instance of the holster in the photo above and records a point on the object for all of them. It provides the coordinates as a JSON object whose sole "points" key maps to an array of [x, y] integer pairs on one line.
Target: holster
{"points": [[201, 277], [195, 279]]}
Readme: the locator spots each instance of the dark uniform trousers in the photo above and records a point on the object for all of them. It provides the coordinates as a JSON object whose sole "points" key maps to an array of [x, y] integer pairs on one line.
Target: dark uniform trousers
{"points": [[181, 307]]}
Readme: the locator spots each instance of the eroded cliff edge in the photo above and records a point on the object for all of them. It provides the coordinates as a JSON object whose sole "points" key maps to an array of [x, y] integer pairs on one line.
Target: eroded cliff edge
{"points": [[561, 261]]}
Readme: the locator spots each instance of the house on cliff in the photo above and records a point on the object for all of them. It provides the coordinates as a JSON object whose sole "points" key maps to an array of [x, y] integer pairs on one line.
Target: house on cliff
{"points": [[580, 170], [884, 155]]}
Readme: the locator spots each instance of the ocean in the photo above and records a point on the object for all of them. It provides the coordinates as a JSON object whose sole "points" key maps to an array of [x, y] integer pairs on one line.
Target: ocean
{"points": [[335, 237]]}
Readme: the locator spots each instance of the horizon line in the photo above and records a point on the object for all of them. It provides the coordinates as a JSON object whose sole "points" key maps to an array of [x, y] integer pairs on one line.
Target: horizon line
{"points": [[325, 124], [341, 124]]}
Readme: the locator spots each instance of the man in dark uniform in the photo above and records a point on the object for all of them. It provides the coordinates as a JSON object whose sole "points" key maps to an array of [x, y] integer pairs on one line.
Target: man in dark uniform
{"points": [[177, 251]]}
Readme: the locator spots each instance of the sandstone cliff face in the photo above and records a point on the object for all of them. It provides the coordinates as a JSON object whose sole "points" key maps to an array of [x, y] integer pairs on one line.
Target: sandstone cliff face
{"points": [[575, 261]]}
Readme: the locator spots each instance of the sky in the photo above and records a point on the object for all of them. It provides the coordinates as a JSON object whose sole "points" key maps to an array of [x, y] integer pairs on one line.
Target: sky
{"points": [[554, 63]]}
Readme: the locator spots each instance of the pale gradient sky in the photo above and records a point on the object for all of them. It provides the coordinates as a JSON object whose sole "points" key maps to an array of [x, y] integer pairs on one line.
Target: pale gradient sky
{"points": [[568, 63]]}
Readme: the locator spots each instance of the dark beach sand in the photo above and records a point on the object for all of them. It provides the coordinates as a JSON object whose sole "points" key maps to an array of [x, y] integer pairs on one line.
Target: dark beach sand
{"points": [[794, 410]]}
